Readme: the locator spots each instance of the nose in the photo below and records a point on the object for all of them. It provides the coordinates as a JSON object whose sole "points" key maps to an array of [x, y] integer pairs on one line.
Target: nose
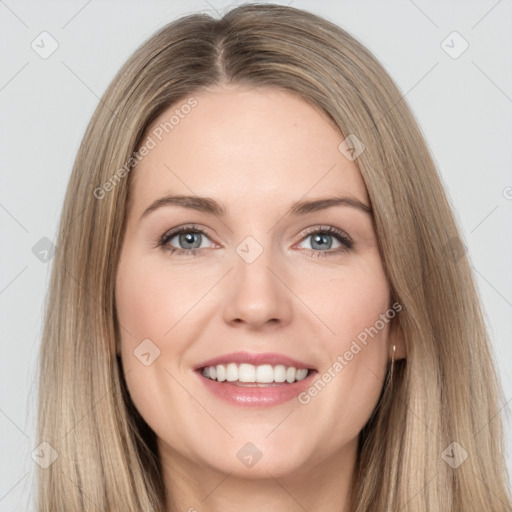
{"points": [[257, 296]]}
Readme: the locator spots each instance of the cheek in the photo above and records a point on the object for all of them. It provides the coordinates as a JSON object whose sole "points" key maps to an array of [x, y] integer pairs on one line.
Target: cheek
{"points": [[146, 309], [148, 304], [151, 299], [351, 305], [355, 308]]}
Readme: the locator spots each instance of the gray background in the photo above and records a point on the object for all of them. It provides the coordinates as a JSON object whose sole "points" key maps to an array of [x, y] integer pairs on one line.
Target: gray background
{"points": [[463, 105]]}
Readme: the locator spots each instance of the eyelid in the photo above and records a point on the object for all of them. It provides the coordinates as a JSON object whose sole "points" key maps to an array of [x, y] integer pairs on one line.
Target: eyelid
{"points": [[342, 236], [327, 228], [171, 233], [344, 239]]}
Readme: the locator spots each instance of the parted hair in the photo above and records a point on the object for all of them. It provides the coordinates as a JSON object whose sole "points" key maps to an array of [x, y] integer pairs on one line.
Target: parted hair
{"points": [[445, 391]]}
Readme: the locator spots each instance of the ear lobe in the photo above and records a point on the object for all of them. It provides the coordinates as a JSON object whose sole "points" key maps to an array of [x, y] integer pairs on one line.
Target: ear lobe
{"points": [[396, 339]]}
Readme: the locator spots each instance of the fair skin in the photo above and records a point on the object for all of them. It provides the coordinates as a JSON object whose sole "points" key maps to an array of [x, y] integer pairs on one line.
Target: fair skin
{"points": [[257, 152]]}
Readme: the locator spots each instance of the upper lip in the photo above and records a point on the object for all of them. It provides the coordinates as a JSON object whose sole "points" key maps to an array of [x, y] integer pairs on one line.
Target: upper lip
{"points": [[254, 359]]}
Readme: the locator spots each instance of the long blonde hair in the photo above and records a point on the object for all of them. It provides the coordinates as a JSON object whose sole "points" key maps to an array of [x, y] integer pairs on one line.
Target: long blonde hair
{"points": [[446, 391]]}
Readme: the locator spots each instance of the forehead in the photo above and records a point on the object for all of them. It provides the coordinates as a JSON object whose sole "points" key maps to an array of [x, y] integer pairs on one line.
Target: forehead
{"points": [[235, 143]]}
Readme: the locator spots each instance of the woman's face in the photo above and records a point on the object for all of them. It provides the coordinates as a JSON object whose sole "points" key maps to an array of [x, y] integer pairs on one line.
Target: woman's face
{"points": [[268, 275]]}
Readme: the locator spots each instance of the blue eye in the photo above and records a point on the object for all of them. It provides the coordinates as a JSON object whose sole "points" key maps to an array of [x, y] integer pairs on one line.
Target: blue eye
{"points": [[190, 241], [322, 241]]}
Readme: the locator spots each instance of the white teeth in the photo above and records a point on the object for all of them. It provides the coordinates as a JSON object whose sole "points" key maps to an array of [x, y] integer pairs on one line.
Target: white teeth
{"points": [[301, 374], [246, 373], [232, 372], [221, 372], [290, 374], [280, 373], [264, 374]]}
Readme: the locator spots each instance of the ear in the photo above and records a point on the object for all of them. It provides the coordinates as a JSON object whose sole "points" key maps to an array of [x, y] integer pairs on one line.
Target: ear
{"points": [[396, 339]]}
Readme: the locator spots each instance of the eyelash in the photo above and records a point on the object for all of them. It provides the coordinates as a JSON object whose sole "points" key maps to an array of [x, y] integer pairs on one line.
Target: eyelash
{"points": [[340, 235]]}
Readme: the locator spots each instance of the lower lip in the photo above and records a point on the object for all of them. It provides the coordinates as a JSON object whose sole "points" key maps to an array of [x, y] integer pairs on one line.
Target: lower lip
{"points": [[256, 396]]}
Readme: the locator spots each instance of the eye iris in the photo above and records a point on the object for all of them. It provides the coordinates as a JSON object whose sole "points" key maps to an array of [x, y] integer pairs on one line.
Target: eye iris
{"points": [[188, 238], [322, 240]]}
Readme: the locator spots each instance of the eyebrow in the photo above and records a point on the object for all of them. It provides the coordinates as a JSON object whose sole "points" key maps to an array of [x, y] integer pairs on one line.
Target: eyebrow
{"points": [[208, 205]]}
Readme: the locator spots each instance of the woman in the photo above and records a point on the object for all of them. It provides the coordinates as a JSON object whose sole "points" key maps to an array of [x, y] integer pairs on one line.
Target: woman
{"points": [[259, 297]]}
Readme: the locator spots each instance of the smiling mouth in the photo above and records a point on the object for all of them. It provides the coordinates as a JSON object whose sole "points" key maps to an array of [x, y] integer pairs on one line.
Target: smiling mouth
{"points": [[250, 375]]}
